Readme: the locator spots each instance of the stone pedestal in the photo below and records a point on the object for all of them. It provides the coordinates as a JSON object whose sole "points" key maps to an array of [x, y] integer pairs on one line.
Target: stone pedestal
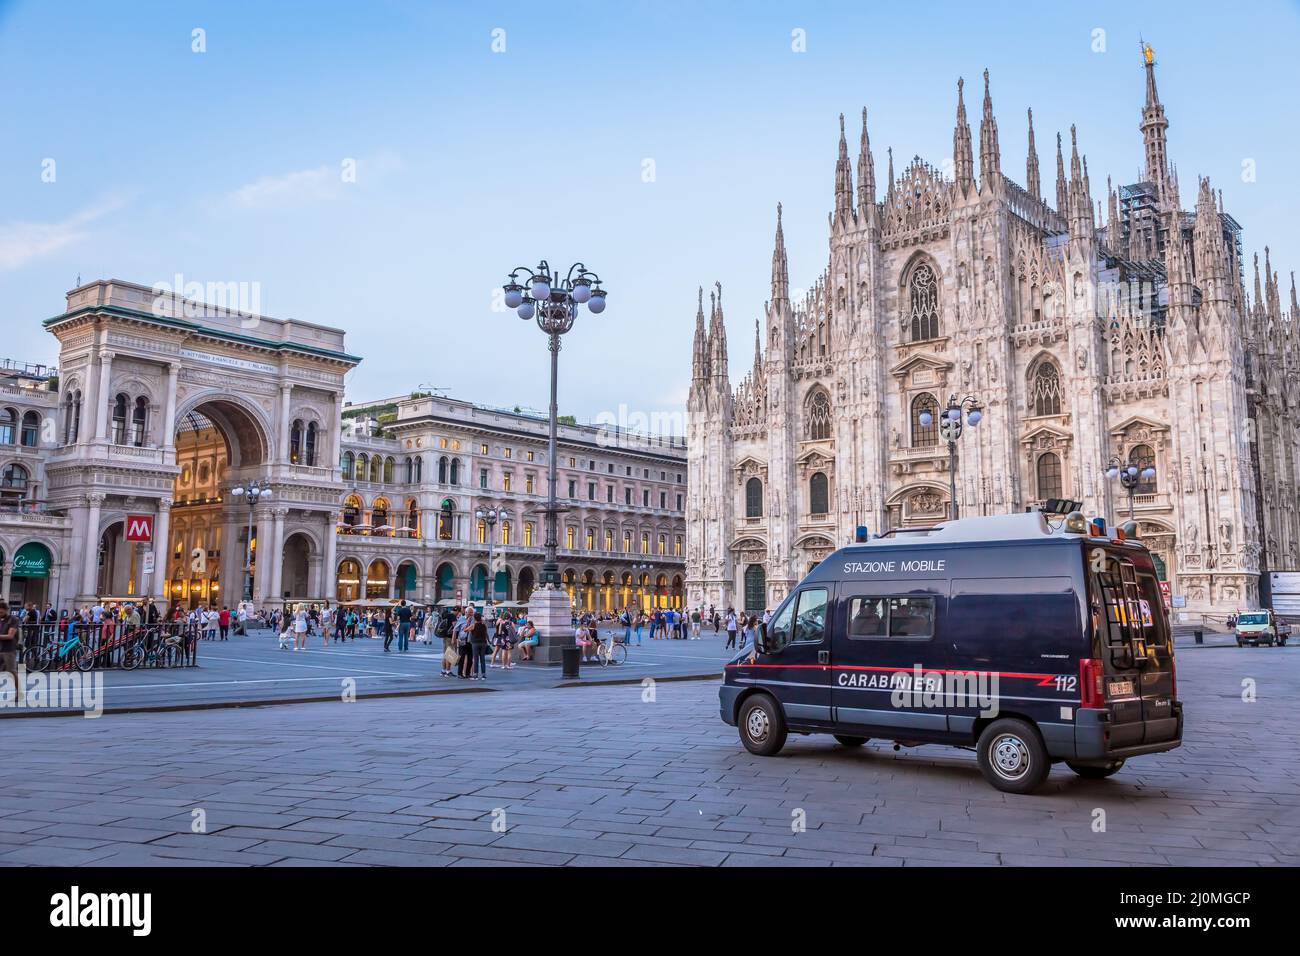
{"points": [[548, 609]]}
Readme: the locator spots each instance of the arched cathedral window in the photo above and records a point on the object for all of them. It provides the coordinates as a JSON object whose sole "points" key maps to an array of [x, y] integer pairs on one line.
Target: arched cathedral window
{"points": [[1045, 389], [923, 314], [754, 498], [1049, 476], [817, 423], [819, 497], [1142, 457], [923, 435]]}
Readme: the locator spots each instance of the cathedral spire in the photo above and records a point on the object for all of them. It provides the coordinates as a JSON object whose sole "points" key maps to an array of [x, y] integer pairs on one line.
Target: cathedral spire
{"points": [[843, 182], [990, 154], [1209, 251], [758, 349], [1032, 180], [1112, 215], [1062, 189], [962, 159], [780, 267], [1153, 125], [700, 349], [717, 339], [889, 189], [866, 173]]}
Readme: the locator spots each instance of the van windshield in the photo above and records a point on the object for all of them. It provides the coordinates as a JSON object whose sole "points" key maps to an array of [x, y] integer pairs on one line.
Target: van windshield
{"points": [[1253, 619]]}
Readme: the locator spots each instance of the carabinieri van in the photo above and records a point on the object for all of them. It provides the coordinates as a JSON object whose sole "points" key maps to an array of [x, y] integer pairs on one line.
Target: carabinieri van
{"points": [[1033, 639]]}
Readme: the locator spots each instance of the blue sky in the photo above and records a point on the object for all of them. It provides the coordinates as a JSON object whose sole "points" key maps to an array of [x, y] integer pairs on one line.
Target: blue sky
{"points": [[224, 166]]}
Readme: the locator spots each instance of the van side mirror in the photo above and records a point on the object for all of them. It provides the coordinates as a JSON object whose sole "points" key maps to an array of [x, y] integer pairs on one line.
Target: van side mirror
{"points": [[760, 640]]}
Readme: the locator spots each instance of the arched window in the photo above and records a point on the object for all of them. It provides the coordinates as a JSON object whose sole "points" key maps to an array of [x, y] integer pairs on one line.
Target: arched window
{"points": [[410, 469], [348, 464], [13, 481], [923, 435], [1142, 457], [376, 469], [351, 513], [1045, 389], [388, 470], [923, 301], [8, 425], [31, 433], [309, 445], [72, 417], [446, 519], [819, 494], [754, 498], [413, 516], [1049, 476], [119, 420], [363, 466], [455, 471], [140, 422], [295, 441], [419, 468], [379, 514], [442, 470], [817, 422]]}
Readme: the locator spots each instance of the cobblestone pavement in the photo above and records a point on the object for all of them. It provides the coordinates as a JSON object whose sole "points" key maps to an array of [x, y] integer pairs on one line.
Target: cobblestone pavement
{"points": [[596, 775]]}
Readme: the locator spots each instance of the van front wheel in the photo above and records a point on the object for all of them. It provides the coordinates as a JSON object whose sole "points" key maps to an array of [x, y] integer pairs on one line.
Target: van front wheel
{"points": [[762, 728], [1012, 756]]}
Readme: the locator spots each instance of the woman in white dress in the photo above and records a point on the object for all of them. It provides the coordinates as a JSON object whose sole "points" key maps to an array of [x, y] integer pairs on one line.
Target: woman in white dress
{"points": [[300, 628]]}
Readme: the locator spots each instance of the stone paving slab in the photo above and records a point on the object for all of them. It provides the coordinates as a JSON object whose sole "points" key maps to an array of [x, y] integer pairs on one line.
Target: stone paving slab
{"points": [[595, 776]]}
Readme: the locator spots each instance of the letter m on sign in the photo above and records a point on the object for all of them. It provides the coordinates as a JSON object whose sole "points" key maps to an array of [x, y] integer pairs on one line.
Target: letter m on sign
{"points": [[139, 527]]}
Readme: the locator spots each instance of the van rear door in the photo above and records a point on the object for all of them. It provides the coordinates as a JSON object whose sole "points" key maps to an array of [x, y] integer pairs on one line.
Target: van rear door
{"points": [[1134, 642]]}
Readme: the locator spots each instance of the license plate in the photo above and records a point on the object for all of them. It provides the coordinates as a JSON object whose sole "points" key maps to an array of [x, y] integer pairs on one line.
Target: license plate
{"points": [[1121, 688]]}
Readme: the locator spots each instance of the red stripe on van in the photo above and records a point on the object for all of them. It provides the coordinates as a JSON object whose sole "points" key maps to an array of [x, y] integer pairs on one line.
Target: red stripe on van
{"points": [[1043, 679]]}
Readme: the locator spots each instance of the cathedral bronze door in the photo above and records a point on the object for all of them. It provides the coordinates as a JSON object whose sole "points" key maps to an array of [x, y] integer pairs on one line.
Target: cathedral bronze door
{"points": [[755, 589]]}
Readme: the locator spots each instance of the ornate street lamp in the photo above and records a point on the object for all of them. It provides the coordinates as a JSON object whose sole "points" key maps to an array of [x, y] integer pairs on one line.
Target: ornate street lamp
{"points": [[252, 492], [950, 428], [647, 569], [489, 516], [1130, 476], [554, 305]]}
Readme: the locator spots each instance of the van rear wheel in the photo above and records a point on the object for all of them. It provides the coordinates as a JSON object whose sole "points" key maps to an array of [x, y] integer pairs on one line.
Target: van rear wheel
{"points": [[762, 727], [850, 741], [1012, 756], [1095, 771]]}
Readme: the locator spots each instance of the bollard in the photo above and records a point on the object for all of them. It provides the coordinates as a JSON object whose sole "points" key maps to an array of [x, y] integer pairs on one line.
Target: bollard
{"points": [[1199, 635], [570, 660]]}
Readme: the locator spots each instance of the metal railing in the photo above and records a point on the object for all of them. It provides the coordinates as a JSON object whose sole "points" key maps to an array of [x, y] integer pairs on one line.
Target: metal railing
{"points": [[118, 644]]}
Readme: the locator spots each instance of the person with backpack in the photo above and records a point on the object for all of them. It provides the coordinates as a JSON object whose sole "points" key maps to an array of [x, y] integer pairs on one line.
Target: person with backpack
{"points": [[731, 628], [478, 642]]}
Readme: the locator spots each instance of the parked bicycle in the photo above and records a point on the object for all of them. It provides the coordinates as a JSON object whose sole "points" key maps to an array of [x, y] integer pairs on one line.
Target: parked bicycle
{"points": [[611, 652], [153, 649], [60, 653]]}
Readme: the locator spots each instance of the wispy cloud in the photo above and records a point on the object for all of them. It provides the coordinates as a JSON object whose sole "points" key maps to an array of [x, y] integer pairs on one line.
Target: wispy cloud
{"points": [[323, 183], [21, 242]]}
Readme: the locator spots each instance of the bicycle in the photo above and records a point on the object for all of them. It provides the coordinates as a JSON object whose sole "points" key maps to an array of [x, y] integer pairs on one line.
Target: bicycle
{"points": [[59, 652], [610, 652], [152, 652]]}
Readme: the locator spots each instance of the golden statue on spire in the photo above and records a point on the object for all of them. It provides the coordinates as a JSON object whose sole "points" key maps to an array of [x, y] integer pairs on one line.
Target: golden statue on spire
{"points": [[1148, 53]]}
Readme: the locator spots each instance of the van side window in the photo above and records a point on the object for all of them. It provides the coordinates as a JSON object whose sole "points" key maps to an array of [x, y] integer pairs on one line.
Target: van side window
{"points": [[877, 618], [810, 620], [911, 617]]}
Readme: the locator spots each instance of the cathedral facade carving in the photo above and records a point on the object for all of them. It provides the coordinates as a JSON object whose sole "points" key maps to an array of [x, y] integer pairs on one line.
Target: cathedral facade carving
{"points": [[1085, 336]]}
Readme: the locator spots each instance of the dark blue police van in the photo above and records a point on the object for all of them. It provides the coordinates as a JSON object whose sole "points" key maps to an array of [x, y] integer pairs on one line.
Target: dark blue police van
{"points": [[1032, 639]]}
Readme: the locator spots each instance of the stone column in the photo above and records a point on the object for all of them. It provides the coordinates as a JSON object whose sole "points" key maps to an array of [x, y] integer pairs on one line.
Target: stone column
{"points": [[90, 557], [6, 580], [161, 550], [169, 416], [276, 555], [330, 567], [261, 573], [282, 451], [105, 387]]}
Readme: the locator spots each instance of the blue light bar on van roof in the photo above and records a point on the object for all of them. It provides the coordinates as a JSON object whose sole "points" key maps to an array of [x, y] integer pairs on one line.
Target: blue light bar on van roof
{"points": [[1097, 528], [862, 534]]}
